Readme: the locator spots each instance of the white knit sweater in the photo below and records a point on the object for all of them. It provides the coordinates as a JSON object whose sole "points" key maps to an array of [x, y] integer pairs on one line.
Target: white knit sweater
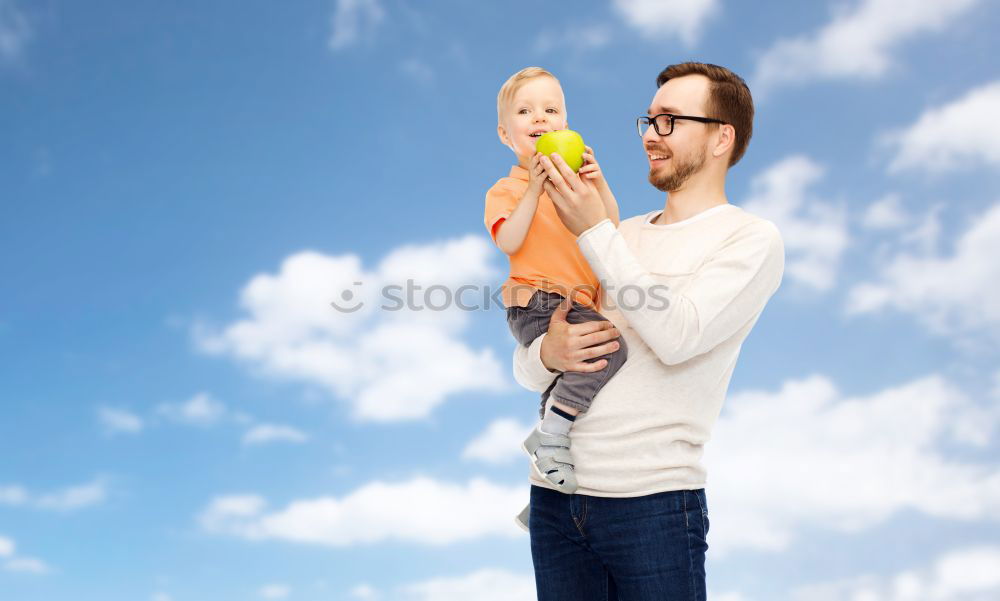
{"points": [[646, 429]]}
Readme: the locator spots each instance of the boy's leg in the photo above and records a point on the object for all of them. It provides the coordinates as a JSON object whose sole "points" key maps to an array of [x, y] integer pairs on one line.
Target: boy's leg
{"points": [[576, 389], [528, 323], [549, 442]]}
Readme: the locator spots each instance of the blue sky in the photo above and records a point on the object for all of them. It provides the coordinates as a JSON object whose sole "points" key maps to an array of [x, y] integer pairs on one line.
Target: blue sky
{"points": [[185, 188]]}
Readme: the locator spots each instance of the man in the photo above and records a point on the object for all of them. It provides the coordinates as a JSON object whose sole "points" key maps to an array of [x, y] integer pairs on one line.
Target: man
{"points": [[683, 286]]}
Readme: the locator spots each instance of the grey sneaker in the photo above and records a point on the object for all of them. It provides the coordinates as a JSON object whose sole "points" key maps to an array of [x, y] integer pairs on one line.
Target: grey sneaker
{"points": [[521, 519], [555, 467]]}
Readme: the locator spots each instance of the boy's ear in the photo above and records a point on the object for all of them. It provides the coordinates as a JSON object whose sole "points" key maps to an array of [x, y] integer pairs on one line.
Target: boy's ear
{"points": [[504, 138]]}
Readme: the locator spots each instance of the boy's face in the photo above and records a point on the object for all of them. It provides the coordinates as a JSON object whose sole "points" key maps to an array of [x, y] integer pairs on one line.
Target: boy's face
{"points": [[536, 108]]}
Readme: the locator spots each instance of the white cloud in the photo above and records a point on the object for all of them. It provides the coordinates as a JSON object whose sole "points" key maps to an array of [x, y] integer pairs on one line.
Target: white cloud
{"points": [[487, 584], [74, 497], [575, 38], [14, 31], [364, 591], [274, 591], [418, 70], [391, 358], [199, 410], [13, 495], [857, 43], [962, 133], [265, 433], [66, 499], [499, 443], [419, 510], [969, 574], [353, 19], [225, 513], [659, 19], [13, 563], [885, 214], [807, 456], [952, 295], [814, 230], [925, 235], [728, 596], [26, 564], [119, 420]]}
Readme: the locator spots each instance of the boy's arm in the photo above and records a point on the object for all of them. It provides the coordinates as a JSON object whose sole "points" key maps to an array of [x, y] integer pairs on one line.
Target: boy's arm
{"points": [[592, 171], [726, 292], [610, 204], [511, 232]]}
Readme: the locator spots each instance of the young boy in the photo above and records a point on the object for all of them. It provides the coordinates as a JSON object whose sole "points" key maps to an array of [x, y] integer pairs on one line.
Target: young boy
{"points": [[546, 265]]}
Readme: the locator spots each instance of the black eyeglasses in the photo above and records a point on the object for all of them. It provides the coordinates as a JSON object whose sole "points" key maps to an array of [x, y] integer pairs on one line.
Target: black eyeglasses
{"points": [[664, 122]]}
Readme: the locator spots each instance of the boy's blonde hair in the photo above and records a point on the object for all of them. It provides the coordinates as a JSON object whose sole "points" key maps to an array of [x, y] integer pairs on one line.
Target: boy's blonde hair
{"points": [[513, 84]]}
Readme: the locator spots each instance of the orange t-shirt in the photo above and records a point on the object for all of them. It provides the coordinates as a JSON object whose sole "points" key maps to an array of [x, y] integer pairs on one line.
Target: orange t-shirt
{"points": [[549, 258]]}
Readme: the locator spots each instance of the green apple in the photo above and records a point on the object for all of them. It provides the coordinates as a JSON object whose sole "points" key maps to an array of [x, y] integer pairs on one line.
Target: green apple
{"points": [[566, 142]]}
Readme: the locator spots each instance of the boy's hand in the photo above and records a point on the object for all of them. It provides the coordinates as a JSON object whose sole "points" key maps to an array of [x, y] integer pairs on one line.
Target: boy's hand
{"points": [[591, 170], [536, 175]]}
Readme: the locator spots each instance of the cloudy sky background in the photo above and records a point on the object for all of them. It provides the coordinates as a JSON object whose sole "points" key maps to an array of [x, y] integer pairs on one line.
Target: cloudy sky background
{"points": [[185, 188]]}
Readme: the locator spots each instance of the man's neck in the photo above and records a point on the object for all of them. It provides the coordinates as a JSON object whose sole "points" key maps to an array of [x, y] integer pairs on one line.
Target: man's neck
{"points": [[693, 198]]}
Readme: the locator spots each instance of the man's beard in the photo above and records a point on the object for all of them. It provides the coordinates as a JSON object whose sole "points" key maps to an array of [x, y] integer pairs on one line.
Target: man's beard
{"points": [[673, 180]]}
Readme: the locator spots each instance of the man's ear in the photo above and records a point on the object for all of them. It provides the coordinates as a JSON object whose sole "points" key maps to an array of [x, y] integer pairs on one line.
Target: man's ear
{"points": [[725, 139]]}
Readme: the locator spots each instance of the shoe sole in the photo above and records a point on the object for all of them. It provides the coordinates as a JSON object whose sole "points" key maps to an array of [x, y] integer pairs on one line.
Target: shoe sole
{"points": [[540, 475], [521, 525]]}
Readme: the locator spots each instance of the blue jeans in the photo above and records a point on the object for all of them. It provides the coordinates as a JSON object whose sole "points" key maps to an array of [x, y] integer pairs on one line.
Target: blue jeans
{"points": [[587, 548]]}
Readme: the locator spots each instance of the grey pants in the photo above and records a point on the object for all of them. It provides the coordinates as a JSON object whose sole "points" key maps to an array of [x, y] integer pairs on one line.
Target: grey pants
{"points": [[575, 389]]}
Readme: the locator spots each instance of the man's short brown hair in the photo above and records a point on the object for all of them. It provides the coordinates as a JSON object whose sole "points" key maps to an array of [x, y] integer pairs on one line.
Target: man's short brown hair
{"points": [[729, 99]]}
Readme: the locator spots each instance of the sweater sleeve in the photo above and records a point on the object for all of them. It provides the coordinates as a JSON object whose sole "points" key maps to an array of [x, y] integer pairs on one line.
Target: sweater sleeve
{"points": [[529, 371], [729, 289]]}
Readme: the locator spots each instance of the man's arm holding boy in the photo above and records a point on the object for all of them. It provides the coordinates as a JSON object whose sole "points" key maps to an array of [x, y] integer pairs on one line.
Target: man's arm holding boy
{"points": [[565, 347], [729, 289]]}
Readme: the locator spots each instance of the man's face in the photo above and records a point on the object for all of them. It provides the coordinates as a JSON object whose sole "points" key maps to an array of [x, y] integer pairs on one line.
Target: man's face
{"points": [[536, 108], [673, 159]]}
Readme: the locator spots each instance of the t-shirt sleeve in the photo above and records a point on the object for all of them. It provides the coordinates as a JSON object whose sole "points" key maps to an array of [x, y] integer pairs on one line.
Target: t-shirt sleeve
{"points": [[500, 202]]}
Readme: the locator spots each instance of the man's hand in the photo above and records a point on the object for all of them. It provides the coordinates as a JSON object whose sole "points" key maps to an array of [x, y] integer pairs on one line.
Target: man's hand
{"points": [[567, 346], [577, 201]]}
